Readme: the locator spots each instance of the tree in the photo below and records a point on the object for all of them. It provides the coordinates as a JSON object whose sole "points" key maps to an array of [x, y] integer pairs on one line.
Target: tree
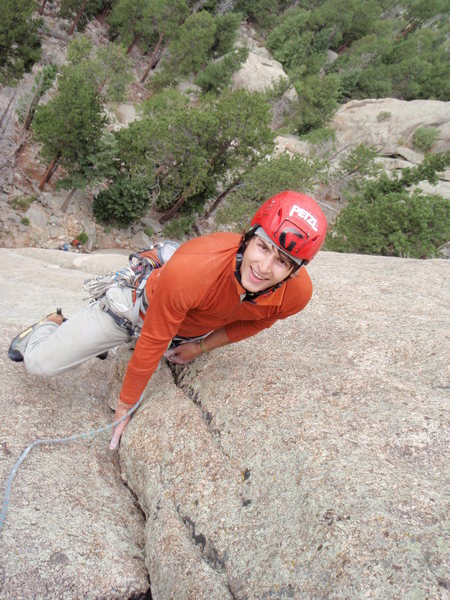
{"points": [[190, 150], [149, 22], [317, 102], [216, 76], [100, 75], [385, 217], [165, 18], [266, 179], [81, 11], [190, 50], [261, 12], [106, 68], [395, 224], [20, 45], [70, 125]]}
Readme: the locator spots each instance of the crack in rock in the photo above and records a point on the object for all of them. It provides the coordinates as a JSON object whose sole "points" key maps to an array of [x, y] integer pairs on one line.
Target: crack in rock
{"points": [[177, 374]]}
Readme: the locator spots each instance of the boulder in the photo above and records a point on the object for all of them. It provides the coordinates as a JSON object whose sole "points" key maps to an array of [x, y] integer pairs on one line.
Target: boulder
{"points": [[126, 113], [258, 74], [389, 124], [38, 216]]}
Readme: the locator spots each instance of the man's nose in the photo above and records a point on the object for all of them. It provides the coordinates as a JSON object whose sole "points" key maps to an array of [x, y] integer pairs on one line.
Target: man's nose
{"points": [[266, 264]]}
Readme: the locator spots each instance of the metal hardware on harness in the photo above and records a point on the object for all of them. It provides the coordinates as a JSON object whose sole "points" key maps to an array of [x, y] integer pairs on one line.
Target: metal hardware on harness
{"points": [[122, 322]]}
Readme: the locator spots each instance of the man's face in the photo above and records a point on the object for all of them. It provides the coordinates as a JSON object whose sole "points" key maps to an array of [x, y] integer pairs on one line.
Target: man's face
{"points": [[263, 266]]}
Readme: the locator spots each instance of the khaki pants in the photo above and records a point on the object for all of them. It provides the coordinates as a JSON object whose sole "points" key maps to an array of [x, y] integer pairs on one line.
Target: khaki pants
{"points": [[53, 349]]}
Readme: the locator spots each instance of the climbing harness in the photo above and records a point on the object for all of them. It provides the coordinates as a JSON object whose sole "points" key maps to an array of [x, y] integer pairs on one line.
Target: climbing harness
{"points": [[41, 442], [134, 276]]}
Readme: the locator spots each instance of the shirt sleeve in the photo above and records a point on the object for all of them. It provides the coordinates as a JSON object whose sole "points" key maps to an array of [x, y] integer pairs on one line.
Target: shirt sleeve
{"points": [[240, 330], [166, 311]]}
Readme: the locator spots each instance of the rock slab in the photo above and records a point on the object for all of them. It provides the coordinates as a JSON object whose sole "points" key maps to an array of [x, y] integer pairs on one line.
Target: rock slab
{"points": [[308, 462], [72, 529]]}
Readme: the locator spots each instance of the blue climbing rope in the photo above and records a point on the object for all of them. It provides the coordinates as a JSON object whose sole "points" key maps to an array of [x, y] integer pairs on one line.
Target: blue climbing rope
{"points": [[41, 442]]}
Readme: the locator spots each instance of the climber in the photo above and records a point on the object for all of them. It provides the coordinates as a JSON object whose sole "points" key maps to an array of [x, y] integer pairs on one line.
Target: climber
{"points": [[215, 290]]}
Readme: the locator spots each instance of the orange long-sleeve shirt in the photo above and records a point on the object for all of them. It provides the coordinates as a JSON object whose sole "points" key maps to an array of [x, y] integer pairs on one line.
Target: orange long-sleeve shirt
{"points": [[197, 292]]}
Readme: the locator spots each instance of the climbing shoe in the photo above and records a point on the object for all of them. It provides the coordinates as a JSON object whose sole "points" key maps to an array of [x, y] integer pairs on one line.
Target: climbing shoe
{"points": [[18, 344]]}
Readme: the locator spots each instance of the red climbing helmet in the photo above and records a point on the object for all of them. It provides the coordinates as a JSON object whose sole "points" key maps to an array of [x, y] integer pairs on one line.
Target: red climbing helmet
{"points": [[294, 223]]}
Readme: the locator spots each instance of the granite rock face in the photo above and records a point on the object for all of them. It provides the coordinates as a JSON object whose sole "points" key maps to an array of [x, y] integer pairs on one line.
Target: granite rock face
{"points": [[72, 529], [389, 124], [309, 461]]}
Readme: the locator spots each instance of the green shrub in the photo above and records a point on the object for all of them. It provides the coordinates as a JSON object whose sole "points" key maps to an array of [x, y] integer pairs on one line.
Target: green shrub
{"points": [[321, 136], [383, 116], [393, 224], [25, 221], [266, 179], [317, 102], [179, 227], [82, 237], [22, 202], [217, 75], [424, 138], [124, 202], [149, 231]]}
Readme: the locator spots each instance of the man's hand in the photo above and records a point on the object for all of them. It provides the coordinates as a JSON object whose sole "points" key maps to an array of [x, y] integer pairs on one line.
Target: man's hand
{"points": [[184, 353], [121, 410]]}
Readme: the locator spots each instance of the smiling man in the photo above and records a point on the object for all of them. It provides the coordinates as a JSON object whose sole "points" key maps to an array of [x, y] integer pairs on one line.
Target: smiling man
{"points": [[223, 288], [215, 290]]}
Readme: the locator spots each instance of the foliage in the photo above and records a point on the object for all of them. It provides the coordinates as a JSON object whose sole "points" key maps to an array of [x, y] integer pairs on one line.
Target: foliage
{"points": [[82, 237], [261, 12], [69, 9], [179, 227], [383, 115], [226, 28], [216, 77], [20, 45], [107, 68], [266, 179], [190, 50], [125, 201], [384, 217], [146, 20], [22, 203], [321, 136], [291, 41], [424, 138], [394, 224], [382, 64], [69, 126], [317, 102], [192, 149], [25, 221]]}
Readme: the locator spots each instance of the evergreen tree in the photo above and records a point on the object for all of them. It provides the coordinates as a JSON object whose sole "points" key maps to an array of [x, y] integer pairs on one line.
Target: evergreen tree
{"points": [[20, 45], [188, 151], [70, 125], [28, 103], [385, 217], [190, 50]]}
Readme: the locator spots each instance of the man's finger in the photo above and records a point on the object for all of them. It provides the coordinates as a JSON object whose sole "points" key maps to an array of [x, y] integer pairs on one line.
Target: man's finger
{"points": [[117, 434]]}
